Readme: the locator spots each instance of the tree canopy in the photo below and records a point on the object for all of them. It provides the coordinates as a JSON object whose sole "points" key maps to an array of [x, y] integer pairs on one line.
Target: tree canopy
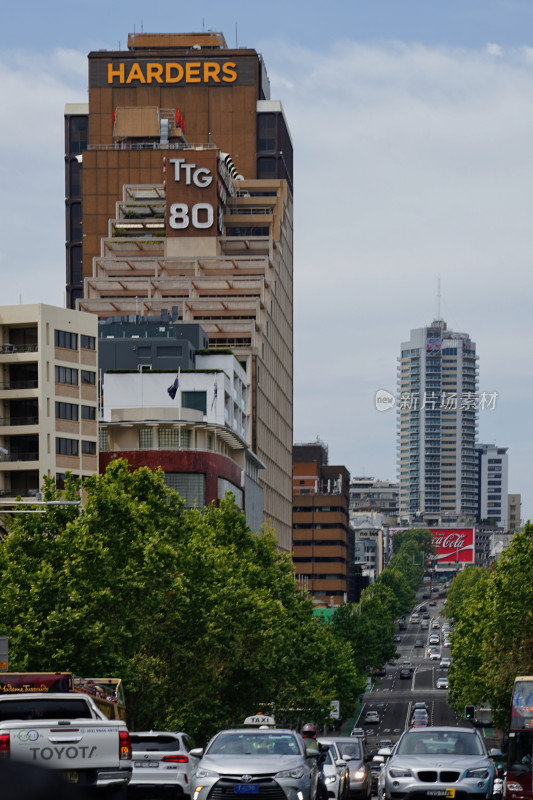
{"points": [[197, 614]]}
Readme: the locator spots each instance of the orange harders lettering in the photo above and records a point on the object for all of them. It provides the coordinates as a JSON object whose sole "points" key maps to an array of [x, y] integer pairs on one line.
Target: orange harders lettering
{"points": [[192, 72], [115, 73], [136, 74], [230, 73], [211, 71], [169, 77], [154, 72]]}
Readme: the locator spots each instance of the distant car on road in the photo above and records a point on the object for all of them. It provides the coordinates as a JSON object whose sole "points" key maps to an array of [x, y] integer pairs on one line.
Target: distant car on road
{"points": [[360, 733], [445, 662], [435, 656], [435, 625], [397, 638], [405, 672], [432, 603], [371, 718], [442, 683], [434, 638], [419, 643]]}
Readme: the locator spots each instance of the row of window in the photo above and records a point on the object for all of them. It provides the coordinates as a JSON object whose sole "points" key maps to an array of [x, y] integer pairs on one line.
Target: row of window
{"points": [[69, 376], [71, 411], [69, 340], [70, 447]]}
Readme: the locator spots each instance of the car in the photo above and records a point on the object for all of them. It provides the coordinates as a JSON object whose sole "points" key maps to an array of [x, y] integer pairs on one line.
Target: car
{"points": [[397, 638], [434, 638], [372, 718], [378, 672], [359, 733], [336, 774], [435, 625], [435, 656], [421, 705], [414, 619], [406, 664], [423, 608], [426, 615], [385, 743], [442, 683], [419, 643], [405, 672], [447, 643], [421, 722], [427, 762], [277, 761], [160, 763], [352, 752], [432, 603], [445, 662]]}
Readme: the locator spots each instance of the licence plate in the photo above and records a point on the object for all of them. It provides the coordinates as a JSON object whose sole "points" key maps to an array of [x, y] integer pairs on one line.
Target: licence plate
{"points": [[246, 788], [151, 764], [70, 776], [441, 793]]}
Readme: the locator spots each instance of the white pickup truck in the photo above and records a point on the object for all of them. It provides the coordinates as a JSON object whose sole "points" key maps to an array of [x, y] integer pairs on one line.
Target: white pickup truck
{"points": [[67, 733]]}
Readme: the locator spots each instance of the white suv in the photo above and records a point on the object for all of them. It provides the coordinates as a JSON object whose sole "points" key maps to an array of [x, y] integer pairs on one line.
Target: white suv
{"points": [[161, 763]]}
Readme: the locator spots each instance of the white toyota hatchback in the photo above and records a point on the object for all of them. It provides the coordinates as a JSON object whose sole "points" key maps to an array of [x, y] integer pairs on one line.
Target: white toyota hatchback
{"points": [[160, 763]]}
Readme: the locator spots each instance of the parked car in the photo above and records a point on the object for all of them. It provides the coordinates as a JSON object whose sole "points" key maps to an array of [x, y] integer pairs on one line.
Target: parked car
{"points": [[372, 718], [427, 762], [442, 683], [161, 763], [352, 752]]}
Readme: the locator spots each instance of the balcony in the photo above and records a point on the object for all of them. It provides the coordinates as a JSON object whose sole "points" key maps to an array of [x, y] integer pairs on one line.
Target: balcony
{"points": [[18, 385], [11, 349], [23, 420]]}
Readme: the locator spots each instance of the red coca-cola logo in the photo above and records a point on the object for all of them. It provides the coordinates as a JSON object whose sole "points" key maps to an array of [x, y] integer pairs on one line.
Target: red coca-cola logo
{"points": [[450, 541]]}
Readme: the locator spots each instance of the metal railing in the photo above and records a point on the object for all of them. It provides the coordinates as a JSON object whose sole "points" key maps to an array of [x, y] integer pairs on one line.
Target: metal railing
{"points": [[19, 384], [9, 349], [19, 457], [27, 420]]}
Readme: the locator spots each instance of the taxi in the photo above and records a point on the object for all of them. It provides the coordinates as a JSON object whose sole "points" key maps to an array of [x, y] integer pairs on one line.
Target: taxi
{"points": [[257, 760]]}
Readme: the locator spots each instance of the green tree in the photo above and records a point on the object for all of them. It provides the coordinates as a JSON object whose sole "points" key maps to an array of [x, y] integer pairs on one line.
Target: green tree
{"points": [[197, 614]]}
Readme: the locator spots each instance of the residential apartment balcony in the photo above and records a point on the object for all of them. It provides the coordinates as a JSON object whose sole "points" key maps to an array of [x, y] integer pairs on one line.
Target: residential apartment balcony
{"points": [[17, 349]]}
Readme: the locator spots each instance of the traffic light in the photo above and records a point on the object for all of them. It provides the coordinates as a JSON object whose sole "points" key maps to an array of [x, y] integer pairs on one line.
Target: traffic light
{"points": [[469, 712]]}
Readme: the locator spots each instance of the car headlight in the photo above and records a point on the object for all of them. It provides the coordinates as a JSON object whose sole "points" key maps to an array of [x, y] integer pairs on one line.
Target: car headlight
{"points": [[330, 779], [400, 772], [358, 774], [514, 787], [480, 772], [201, 772], [297, 772]]}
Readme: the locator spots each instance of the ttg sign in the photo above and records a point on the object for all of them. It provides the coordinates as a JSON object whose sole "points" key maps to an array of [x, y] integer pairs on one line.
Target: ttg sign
{"points": [[196, 189]]}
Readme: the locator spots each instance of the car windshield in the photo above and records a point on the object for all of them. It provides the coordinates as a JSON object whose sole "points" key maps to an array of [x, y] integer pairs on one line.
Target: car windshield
{"points": [[349, 750], [254, 743], [441, 743]]}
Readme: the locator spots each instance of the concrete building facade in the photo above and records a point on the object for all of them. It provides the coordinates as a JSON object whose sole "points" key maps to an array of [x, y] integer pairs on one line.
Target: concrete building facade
{"points": [[186, 201], [323, 548], [493, 471], [48, 396], [437, 424]]}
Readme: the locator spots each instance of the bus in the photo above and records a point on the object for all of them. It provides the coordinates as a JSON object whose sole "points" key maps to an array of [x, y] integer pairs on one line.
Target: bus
{"points": [[519, 778]]}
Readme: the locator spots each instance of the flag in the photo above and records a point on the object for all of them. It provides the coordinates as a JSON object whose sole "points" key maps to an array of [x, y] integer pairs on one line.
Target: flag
{"points": [[215, 392], [174, 388]]}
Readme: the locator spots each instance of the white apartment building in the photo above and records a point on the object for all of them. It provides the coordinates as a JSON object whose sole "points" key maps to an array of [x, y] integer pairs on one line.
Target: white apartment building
{"points": [[48, 396], [493, 484]]}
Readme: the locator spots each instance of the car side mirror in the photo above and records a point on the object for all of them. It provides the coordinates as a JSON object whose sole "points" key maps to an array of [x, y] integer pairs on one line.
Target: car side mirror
{"points": [[311, 752], [495, 753], [340, 762], [196, 752]]}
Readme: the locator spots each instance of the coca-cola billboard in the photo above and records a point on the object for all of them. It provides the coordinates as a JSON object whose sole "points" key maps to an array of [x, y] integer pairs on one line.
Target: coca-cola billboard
{"points": [[453, 544]]}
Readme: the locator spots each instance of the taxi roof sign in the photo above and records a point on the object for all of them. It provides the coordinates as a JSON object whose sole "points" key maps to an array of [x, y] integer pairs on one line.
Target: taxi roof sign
{"points": [[260, 719]]}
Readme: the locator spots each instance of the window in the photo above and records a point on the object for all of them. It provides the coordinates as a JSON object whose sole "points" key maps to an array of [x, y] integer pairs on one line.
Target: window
{"points": [[87, 376], [75, 222], [88, 412], [87, 342], [76, 266], [88, 448], [196, 400], [145, 438], [102, 440], [66, 411], [66, 447], [188, 485], [66, 375], [169, 438], [66, 340]]}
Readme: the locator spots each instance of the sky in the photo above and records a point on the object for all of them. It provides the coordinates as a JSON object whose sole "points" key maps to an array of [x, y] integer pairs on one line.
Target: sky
{"points": [[412, 126]]}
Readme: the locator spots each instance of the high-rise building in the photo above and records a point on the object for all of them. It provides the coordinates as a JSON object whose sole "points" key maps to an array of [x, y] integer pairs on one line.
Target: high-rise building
{"points": [[186, 201], [493, 472], [323, 547], [48, 397], [437, 423], [514, 510]]}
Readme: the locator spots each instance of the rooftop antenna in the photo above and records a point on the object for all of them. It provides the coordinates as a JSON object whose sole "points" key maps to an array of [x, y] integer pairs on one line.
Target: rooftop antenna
{"points": [[142, 28], [438, 297], [203, 25]]}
